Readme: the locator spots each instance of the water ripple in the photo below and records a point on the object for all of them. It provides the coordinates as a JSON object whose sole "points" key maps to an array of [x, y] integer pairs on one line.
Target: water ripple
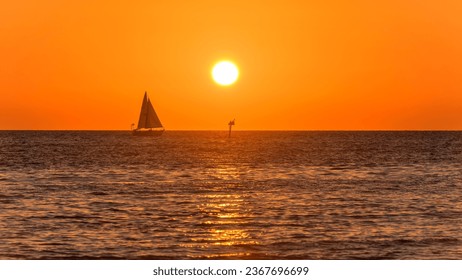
{"points": [[259, 195]]}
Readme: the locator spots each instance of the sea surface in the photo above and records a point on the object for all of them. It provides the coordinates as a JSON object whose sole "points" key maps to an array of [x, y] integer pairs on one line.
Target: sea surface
{"points": [[256, 195]]}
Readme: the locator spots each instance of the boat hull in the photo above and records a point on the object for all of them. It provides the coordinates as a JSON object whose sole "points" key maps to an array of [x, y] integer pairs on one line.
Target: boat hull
{"points": [[147, 132]]}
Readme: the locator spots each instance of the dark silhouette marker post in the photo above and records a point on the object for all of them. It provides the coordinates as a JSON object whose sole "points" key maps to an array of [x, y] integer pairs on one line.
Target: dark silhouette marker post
{"points": [[231, 123]]}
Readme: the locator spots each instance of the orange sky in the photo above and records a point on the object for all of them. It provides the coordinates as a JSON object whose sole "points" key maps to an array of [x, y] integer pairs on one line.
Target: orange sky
{"points": [[303, 64]]}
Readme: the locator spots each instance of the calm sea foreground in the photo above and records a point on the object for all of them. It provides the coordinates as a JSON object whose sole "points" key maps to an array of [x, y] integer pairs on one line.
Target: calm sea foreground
{"points": [[257, 195]]}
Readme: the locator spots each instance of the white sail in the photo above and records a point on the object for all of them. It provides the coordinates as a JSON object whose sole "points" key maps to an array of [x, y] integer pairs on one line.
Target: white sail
{"points": [[148, 116]]}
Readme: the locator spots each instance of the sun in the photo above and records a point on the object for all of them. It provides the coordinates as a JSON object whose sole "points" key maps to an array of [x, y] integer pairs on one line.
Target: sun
{"points": [[225, 73]]}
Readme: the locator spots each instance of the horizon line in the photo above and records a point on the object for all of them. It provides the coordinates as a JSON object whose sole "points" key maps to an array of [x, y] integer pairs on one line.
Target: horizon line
{"points": [[245, 130]]}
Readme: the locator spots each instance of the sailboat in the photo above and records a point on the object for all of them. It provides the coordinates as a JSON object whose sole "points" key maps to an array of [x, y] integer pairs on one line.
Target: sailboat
{"points": [[149, 123]]}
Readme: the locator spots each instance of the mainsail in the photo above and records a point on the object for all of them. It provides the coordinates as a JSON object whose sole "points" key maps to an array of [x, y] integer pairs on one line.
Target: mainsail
{"points": [[148, 116]]}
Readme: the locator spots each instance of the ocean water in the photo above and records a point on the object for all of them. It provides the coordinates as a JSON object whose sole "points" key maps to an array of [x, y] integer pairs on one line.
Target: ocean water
{"points": [[257, 195]]}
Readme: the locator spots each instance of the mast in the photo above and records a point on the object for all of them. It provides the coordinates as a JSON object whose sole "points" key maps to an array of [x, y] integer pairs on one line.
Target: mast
{"points": [[146, 123]]}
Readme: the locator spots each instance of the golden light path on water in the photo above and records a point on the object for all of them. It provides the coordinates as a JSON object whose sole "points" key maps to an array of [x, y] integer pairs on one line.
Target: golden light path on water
{"points": [[224, 214]]}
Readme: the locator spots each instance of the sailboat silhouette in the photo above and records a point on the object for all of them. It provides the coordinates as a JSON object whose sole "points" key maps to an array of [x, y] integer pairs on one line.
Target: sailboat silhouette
{"points": [[149, 123]]}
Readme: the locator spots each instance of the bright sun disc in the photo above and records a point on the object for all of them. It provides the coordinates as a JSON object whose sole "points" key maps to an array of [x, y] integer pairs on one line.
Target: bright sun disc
{"points": [[225, 73]]}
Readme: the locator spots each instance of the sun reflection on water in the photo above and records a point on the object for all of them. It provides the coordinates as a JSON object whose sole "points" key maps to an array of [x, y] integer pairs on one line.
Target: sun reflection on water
{"points": [[224, 218], [225, 173]]}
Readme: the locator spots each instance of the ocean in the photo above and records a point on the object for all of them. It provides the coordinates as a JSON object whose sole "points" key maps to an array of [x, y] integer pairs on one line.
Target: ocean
{"points": [[256, 195]]}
